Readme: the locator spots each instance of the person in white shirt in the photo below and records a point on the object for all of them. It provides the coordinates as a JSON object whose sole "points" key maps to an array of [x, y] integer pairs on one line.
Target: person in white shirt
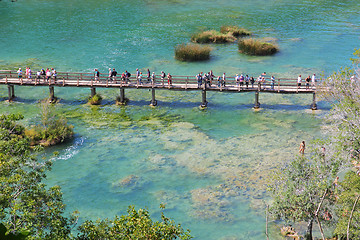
{"points": [[313, 80], [299, 81]]}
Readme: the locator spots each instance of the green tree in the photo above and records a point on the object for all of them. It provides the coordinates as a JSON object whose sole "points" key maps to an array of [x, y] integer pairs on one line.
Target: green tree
{"points": [[25, 202], [29, 209], [350, 192], [301, 191], [134, 225]]}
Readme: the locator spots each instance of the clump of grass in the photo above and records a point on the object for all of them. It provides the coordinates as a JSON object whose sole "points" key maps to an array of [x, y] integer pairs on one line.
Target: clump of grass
{"points": [[192, 52], [235, 31], [256, 47], [212, 36], [95, 100], [52, 130]]}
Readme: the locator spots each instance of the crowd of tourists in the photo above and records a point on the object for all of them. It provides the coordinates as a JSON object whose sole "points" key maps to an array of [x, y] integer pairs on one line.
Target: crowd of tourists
{"points": [[46, 75], [207, 79]]}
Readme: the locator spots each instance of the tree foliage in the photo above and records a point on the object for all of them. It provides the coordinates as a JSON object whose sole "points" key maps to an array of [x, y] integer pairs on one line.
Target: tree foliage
{"points": [[25, 202], [350, 190], [53, 129], [298, 190], [134, 225], [31, 210]]}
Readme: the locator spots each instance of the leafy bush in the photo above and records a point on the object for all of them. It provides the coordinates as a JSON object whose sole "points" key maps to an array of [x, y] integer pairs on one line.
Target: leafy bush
{"points": [[235, 31], [95, 100], [192, 52], [256, 47], [52, 130], [134, 225], [212, 36]]}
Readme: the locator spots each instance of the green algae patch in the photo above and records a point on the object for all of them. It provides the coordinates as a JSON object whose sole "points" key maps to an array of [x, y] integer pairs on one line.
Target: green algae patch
{"points": [[33, 63]]}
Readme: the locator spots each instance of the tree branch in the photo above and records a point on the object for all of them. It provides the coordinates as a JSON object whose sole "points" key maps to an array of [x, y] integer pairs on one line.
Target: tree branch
{"points": [[350, 218]]}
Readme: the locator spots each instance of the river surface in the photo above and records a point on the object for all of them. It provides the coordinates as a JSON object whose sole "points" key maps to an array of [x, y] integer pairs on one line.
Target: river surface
{"points": [[209, 167]]}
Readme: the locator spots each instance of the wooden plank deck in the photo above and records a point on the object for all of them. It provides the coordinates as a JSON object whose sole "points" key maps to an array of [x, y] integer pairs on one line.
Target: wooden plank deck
{"points": [[178, 83]]}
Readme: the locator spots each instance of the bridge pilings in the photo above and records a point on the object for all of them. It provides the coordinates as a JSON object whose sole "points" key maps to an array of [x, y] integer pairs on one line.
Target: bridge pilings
{"points": [[11, 92], [93, 91], [257, 103], [314, 105], [52, 94], [203, 102], [153, 101]]}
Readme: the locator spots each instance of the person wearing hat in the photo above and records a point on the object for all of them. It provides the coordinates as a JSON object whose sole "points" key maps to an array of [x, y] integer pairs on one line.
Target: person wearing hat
{"points": [[19, 72]]}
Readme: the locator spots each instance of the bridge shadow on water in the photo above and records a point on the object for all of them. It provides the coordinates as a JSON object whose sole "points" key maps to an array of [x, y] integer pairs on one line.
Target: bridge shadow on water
{"points": [[181, 104]]}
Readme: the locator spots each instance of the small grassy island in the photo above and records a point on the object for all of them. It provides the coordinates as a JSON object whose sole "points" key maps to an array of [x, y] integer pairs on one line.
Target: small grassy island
{"points": [[255, 47], [51, 131], [235, 31], [212, 36], [192, 52], [95, 100], [227, 34]]}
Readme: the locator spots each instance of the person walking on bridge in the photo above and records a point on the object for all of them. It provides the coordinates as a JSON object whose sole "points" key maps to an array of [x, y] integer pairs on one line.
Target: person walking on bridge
{"points": [[272, 82], [96, 75], [199, 80], [224, 80], [313, 80], [299, 82], [113, 75], [169, 77], [19, 72]]}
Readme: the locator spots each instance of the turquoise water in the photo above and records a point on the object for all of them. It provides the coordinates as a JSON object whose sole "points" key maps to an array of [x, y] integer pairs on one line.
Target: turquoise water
{"points": [[210, 167]]}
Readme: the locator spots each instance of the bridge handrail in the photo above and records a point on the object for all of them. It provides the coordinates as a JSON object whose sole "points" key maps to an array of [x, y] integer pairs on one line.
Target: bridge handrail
{"points": [[176, 79]]}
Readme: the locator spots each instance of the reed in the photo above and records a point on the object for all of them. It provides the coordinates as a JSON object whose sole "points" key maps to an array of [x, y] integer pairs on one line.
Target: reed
{"points": [[235, 31], [192, 52], [95, 100], [257, 47], [212, 36]]}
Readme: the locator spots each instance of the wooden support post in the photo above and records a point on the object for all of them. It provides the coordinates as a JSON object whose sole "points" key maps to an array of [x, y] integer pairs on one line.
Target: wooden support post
{"points": [[153, 101], [93, 91], [63, 81], [11, 92], [204, 102], [257, 104], [314, 105], [123, 100], [52, 94], [278, 85]]}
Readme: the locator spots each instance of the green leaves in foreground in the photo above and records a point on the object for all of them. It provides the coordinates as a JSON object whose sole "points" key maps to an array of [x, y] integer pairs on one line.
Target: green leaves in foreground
{"points": [[135, 225], [31, 210]]}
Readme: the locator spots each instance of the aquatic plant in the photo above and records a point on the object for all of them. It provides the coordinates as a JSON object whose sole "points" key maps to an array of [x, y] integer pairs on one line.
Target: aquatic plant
{"points": [[212, 36], [235, 31], [256, 47], [95, 100], [53, 129], [192, 52]]}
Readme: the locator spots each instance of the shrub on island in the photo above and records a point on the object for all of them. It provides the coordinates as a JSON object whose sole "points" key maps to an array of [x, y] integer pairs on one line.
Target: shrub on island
{"points": [[256, 47], [52, 129], [235, 31], [95, 100], [192, 52], [212, 36]]}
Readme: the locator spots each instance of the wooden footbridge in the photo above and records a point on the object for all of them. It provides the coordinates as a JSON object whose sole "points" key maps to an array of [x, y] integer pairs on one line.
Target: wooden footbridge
{"points": [[176, 83]]}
